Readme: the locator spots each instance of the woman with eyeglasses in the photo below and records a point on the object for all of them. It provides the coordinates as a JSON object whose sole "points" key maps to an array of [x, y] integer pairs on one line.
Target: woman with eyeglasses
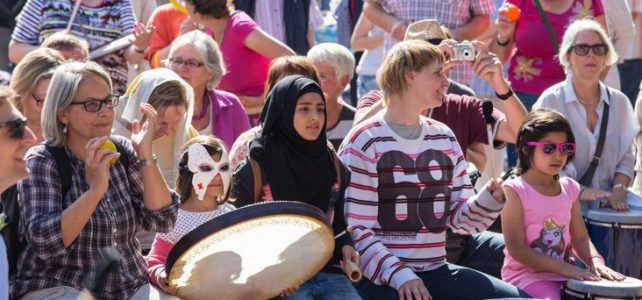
{"points": [[107, 200], [30, 81], [590, 105], [196, 58], [247, 50], [16, 139]]}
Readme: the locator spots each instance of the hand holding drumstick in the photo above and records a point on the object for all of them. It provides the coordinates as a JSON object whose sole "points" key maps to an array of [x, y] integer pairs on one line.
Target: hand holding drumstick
{"points": [[350, 259]]}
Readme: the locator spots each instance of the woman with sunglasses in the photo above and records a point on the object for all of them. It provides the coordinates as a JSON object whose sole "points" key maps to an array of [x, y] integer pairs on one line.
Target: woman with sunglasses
{"points": [[30, 81], [16, 139], [107, 200], [542, 220], [586, 102]]}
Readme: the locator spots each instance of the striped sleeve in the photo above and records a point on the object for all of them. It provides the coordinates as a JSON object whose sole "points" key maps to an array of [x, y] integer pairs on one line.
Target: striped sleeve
{"points": [[469, 213], [28, 23], [378, 264], [127, 18]]}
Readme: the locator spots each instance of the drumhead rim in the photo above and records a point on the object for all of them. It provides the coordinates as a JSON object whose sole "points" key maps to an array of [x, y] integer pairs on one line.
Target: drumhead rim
{"points": [[232, 218]]}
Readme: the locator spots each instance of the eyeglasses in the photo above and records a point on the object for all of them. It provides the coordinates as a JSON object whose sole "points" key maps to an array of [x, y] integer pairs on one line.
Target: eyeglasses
{"points": [[39, 102], [583, 49], [94, 105], [190, 63], [549, 148], [435, 42], [16, 127]]}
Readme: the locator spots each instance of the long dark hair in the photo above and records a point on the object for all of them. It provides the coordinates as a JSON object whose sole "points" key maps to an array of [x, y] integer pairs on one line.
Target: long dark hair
{"points": [[184, 186], [536, 125]]}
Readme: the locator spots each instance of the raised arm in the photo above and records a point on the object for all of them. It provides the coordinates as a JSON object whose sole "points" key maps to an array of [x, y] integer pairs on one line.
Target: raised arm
{"points": [[361, 40]]}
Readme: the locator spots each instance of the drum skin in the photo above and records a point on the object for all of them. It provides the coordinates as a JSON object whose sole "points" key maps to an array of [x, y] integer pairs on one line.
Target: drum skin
{"points": [[630, 288], [254, 252]]}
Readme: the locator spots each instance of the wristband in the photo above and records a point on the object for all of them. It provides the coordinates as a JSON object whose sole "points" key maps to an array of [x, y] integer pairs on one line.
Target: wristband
{"points": [[621, 186], [505, 97], [139, 51]]}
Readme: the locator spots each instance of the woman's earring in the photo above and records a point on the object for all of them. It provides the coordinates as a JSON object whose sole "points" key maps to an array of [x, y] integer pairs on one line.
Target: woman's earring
{"points": [[64, 129]]}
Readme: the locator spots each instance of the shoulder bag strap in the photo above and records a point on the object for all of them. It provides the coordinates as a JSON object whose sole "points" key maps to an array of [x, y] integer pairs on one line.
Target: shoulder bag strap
{"points": [[549, 28], [587, 178], [256, 176]]}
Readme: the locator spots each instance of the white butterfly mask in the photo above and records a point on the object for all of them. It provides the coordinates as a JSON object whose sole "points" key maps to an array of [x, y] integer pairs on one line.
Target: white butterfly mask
{"points": [[205, 169]]}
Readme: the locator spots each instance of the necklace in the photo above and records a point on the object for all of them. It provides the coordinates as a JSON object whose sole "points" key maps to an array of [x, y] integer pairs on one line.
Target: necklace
{"points": [[204, 109]]}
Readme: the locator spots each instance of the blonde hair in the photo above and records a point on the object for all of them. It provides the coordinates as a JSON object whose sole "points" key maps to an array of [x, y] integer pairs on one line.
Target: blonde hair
{"points": [[63, 41], [36, 65], [62, 89], [405, 57], [571, 34]]}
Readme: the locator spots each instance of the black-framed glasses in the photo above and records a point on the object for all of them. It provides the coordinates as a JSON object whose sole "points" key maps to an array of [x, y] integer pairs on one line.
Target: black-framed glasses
{"points": [[16, 127], [583, 49], [40, 102], [190, 63], [95, 105]]}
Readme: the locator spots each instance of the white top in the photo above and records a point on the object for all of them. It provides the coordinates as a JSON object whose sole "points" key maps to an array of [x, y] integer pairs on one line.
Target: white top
{"points": [[622, 33], [186, 221], [617, 154], [371, 58]]}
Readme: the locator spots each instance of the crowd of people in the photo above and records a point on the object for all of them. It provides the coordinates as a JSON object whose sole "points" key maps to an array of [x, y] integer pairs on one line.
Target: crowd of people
{"points": [[204, 107]]}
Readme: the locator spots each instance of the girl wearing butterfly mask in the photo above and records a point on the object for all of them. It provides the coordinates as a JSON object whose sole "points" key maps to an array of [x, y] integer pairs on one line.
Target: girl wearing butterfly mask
{"points": [[542, 220], [203, 185]]}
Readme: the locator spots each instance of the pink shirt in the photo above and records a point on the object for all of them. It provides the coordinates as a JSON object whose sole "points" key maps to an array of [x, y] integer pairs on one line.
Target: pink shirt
{"points": [[246, 69], [546, 228], [534, 66]]}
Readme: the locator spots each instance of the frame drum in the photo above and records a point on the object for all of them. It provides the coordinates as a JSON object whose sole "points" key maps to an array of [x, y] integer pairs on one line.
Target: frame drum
{"points": [[618, 237], [630, 288], [253, 252]]}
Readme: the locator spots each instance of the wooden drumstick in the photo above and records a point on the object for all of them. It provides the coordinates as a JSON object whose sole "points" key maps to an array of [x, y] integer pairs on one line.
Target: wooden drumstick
{"points": [[351, 269]]}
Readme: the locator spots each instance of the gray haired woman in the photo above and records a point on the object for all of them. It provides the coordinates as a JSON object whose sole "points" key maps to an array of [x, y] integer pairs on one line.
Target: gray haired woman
{"points": [[583, 99], [108, 197]]}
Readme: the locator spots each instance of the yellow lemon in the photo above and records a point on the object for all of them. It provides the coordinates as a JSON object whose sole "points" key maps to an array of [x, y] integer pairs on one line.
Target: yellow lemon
{"points": [[109, 145]]}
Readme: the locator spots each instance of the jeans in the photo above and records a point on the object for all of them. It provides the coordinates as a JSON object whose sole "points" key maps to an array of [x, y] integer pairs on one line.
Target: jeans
{"points": [[448, 282], [68, 293], [326, 286], [528, 100], [484, 252], [630, 77], [365, 84]]}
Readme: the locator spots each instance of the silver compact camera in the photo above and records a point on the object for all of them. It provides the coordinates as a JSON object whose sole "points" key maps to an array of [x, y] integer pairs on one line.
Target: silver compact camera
{"points": [[464, 52]]}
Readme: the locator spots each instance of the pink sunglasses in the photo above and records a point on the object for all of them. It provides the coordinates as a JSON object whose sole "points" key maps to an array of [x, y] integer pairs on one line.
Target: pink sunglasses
{"points": [[549, 148]]}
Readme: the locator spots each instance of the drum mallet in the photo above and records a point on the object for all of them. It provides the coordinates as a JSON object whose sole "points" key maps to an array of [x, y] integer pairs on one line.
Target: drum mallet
{"points": [[487, 108], [352, 270]]}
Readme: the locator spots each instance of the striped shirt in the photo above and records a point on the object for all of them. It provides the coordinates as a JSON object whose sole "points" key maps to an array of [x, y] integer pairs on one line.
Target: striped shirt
{"points": [[268, 14], [450, 13], [46, 262], [97, 25], [403, 195]]}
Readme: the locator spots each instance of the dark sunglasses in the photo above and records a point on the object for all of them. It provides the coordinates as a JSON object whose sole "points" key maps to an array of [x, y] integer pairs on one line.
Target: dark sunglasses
{"points": [[435, 42], [549, 148], [15, 127], [583, 49], [94, 105]]}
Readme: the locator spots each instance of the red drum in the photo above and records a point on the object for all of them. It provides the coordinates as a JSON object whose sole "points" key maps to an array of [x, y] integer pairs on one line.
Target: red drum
{"points": [[254, 252]]}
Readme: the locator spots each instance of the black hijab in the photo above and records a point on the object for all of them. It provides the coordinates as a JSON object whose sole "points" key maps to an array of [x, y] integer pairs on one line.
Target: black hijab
{"points": [[296, 169]]}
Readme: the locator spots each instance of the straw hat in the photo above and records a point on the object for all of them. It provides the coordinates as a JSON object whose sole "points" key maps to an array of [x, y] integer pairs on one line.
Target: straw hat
{"points": [[425, 30]]}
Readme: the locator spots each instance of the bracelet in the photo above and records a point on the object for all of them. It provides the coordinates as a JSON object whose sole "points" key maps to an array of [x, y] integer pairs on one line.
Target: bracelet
{"points": [[504, 44], [139, 51], [620, 186], [395, 26], [147, 162], [600, 257]]}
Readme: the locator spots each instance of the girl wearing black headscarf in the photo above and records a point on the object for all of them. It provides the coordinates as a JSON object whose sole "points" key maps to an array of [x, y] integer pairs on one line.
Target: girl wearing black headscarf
{"points": [[297, 165]]}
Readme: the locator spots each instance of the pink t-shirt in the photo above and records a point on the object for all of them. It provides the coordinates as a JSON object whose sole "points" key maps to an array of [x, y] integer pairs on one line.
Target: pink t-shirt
{"points": [[246, 69], [546, 227], [534, 66]]}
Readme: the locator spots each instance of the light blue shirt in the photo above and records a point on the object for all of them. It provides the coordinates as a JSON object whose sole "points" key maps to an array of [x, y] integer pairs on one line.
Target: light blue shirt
{"points": [[4, 272]]}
